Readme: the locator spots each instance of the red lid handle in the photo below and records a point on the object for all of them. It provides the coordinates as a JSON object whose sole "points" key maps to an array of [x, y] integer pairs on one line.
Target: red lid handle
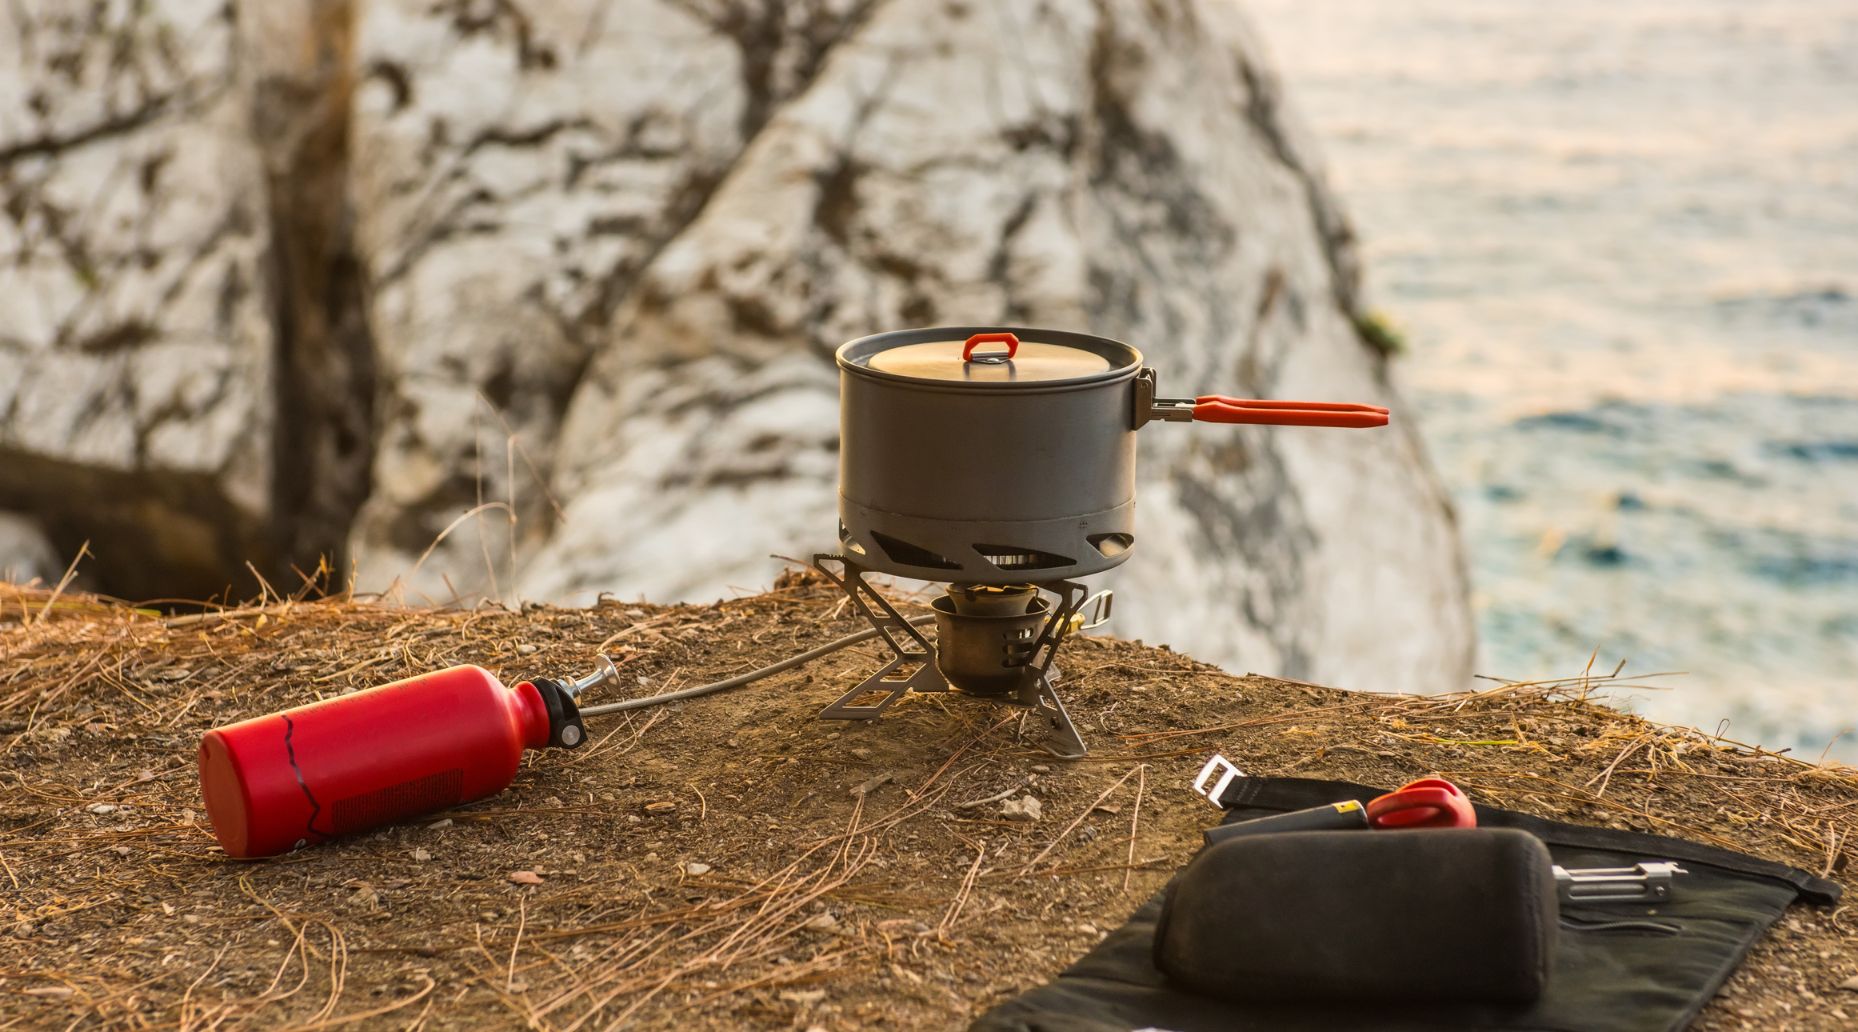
{"points": [[1011, 342], [1426, 803]]}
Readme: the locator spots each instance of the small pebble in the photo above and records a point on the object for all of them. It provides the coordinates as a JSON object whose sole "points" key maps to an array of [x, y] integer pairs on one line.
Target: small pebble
{"points": [[868, 786], [102, 808], [822, 922], [1040, 768], [526, 649], [421, 855], [663, 806], [525, 878], [436, 825], [695, 868], [1025, 808]]}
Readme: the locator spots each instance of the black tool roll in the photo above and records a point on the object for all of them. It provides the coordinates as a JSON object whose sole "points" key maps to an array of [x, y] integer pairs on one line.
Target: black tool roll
{"points": [[1390, 917], [1615, 966]]}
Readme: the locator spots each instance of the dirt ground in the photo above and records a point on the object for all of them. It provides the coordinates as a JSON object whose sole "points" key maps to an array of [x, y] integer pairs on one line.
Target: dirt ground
{"points": [[731, 862]]}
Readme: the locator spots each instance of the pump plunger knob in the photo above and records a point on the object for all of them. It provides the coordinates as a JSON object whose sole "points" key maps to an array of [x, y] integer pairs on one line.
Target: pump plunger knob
{"points": [[605, 673]]}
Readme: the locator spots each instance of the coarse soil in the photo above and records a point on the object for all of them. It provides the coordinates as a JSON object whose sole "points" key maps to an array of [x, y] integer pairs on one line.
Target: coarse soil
{"points": [[731, 861]]}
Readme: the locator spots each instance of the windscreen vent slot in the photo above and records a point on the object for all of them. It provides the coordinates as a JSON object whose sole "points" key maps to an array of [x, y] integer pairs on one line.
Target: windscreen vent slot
{"points": [[1111, 545], [1009, 557], [907, 554]]}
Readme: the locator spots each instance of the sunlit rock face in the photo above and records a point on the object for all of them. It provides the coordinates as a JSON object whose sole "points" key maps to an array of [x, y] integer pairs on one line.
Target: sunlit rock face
{"points": [[572, 273], [520, 171], [181, 385], [135, 349], [1089, 165]]}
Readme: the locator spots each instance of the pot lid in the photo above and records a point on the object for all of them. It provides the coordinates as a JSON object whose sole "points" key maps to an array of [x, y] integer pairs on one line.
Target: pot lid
{"points": [[942, 360], [992, 357]]}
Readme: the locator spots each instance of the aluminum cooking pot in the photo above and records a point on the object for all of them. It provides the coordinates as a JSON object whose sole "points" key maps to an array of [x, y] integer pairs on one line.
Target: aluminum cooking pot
{"points": [[1002, 455]]}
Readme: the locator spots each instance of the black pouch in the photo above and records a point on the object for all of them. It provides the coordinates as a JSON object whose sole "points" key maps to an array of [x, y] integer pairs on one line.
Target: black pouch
{"points": [[1626, 968], [1401, 916]]}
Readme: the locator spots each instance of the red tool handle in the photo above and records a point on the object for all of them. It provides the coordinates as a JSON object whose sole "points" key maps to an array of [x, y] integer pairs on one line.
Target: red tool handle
{"points": [[1426, 803], [1327, 406], [1288, 414], [1011, 342]]}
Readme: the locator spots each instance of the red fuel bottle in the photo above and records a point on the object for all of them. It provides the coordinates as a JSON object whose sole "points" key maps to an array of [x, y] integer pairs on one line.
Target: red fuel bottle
{"points": [[343, 765]]}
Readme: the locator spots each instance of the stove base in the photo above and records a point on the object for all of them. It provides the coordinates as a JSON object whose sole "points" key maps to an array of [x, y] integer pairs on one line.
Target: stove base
{"points": [[915, 663]]}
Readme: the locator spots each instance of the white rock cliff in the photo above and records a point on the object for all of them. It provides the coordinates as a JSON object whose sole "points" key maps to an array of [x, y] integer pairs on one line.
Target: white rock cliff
{"points": [[576, 269]]}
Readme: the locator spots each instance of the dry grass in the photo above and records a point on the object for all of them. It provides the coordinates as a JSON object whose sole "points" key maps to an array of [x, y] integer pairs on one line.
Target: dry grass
{"points": [[859, 875]]}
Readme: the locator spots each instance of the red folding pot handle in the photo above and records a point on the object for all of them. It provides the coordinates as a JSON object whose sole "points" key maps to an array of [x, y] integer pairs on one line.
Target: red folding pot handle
{"points": [[1328, 406], [1426, 803], [1011, 342], [1289, 413]]}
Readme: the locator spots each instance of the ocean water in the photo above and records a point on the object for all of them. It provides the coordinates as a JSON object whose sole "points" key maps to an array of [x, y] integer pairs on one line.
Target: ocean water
{"points": [[1621, 239]]}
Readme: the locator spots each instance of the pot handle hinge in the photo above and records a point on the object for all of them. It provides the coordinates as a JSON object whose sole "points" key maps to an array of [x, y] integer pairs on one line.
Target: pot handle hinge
{"points": [[1148, 407]]}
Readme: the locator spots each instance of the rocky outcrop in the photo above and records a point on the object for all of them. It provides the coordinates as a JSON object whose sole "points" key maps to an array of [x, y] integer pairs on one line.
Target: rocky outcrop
{"points": [[1075, 164], [136, 351], [181, 353], [520, 168], [551, 287]]}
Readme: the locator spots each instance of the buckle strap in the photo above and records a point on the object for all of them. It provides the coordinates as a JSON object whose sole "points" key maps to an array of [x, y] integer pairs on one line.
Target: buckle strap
{"points": [[1215, 790]]}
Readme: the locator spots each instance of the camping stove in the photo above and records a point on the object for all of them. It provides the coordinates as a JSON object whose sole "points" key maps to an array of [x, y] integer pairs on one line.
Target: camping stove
{"points": [[1000, 462], [991, 642]]}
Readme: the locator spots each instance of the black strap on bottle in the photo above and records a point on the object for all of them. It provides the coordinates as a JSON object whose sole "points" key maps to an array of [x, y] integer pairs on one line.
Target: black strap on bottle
{"points": [[565, 730]]}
